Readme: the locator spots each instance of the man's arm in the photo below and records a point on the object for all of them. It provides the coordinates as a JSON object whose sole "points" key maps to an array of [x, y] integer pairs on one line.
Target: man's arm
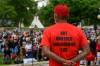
{"points": [[86, 51], [52, 55]]}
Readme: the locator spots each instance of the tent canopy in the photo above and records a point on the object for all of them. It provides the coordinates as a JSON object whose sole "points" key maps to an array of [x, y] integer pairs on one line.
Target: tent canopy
{"points": [[36, 22]]}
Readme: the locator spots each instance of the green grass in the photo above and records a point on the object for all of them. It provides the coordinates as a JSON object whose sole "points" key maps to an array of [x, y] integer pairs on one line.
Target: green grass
{"points": [[1, 58], [4, 65], [1, 61]]}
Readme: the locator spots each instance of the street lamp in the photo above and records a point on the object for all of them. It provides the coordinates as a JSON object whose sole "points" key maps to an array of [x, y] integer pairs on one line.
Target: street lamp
{"points": [[95, 25], [98, 16]]}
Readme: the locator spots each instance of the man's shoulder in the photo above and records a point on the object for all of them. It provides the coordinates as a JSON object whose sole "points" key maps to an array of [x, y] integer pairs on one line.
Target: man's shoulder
{"points": [[73, 26], [49, 28]]}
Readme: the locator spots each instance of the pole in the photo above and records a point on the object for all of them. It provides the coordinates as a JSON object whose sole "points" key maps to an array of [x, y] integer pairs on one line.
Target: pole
{"points": [[31, 34], [95, 28], [32, 49]]}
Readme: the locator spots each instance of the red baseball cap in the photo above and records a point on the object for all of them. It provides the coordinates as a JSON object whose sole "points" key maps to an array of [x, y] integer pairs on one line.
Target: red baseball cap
{"points": [[61, 10]]}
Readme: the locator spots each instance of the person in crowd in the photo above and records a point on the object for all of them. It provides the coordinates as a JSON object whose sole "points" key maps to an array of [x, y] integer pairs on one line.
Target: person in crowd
{"points": [[98, 49], [91, 57], [23, 37], [28, 48], [98, 44], [62, 41], [15, 49], [7, 52], [1, 41]]}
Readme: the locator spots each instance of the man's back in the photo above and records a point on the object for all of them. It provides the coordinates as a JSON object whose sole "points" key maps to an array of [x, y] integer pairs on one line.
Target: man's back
{"points": [[64, 40]]}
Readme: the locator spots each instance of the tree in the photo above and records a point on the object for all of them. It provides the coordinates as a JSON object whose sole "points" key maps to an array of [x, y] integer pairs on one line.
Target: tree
{"points": [[25, 10], [86, 10], [17, 11], [7, 12]]}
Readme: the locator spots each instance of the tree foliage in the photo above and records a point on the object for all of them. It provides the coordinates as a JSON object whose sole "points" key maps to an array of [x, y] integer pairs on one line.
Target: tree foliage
{"points": [[6, 10], [25, 10], [86, 10], [18, 10]]}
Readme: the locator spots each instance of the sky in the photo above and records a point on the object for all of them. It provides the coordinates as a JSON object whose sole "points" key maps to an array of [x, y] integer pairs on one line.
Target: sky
{"points": [[41, 3]]}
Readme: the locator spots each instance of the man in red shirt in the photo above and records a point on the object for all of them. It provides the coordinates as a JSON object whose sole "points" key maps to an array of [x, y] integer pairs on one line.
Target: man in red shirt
{"points": [[62, 41]]}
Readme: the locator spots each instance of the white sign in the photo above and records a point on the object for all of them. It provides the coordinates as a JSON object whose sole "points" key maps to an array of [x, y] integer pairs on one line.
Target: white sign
{"points": [[29, 60]]}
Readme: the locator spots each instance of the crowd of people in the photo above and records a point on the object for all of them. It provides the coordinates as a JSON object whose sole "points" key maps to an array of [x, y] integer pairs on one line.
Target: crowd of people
{"points": [[16, 46], [93, 37], [63, 43]]}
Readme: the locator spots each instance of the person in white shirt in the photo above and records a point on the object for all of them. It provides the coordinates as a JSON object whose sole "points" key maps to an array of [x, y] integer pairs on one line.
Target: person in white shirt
{"points": [[28, 48]]}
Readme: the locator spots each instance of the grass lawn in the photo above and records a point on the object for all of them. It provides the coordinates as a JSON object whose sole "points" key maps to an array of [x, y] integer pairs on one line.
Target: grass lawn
{"points": [[1, 58], [2, 65], [1, 61]]}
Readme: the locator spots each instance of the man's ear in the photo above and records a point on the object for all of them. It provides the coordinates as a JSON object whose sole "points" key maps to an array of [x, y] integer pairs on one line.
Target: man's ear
{"points": [[55, 17]]}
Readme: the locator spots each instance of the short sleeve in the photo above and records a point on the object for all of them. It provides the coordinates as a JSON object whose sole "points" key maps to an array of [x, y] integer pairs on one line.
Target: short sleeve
{"points": [[46, 38], [83, 39]]}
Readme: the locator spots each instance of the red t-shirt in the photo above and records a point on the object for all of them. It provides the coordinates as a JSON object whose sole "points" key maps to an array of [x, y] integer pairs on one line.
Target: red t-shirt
{"points": [[65, 40], [98, 47]]}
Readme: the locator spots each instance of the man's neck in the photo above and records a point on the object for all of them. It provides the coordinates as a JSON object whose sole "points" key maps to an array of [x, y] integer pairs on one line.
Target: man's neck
{"points": [[61, 21]]}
